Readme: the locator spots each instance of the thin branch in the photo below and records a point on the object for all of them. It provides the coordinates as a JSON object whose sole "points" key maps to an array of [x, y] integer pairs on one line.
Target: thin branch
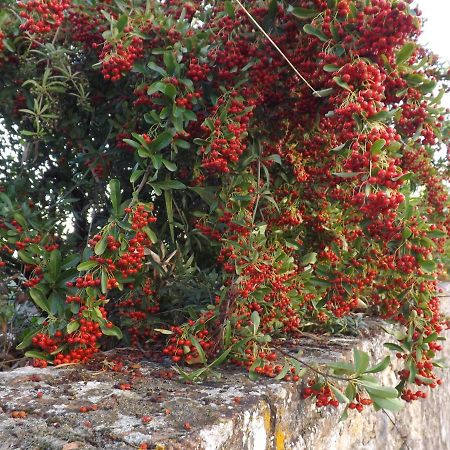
{"points": [[261, 29], [141, 186], [314, 369], [394, 423]]}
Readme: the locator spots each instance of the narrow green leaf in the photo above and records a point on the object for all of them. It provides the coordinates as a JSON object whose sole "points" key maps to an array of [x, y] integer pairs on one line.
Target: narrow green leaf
{"points": [[383, 364], [309, 258], [199, 348], [87, 265], [72, 326], [361, 360], [100, 246], [40, 299], [303, 13], [308, 28], [55, 264], [26, 257], [113, 331], [255, 321], [340, 397], [378, 390], [122, 22], [341, 83], [114, 189], [104, 281], [377, 146], [389, 404], [161, 141], [405, 53], [283, 372]]}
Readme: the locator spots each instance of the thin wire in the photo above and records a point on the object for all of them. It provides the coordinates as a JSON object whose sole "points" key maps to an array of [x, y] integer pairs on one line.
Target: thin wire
{"points": [[260, 28]]}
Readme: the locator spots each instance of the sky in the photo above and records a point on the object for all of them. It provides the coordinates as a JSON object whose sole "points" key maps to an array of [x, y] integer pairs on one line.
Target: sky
{"points": [[436, 29]]}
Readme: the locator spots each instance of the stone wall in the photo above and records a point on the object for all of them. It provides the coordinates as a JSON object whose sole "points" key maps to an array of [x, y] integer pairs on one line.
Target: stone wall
{"points": [[233, 413]]}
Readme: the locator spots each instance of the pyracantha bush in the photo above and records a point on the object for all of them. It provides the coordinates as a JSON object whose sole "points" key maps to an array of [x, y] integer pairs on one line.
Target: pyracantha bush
{"points": [[209, 178]]}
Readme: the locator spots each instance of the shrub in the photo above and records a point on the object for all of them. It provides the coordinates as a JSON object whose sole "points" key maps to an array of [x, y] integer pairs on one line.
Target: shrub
{"points": [[225, 175]]}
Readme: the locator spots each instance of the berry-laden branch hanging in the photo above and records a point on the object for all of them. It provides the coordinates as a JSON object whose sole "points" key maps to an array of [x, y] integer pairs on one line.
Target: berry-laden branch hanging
{"points": [[244, 173]]}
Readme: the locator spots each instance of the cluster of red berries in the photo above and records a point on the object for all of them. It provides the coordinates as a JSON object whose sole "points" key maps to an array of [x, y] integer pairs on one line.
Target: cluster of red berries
{"points": [[119, 59], [42, 16], [140, 218], [180, 349], [323, 394], [359, 403]]}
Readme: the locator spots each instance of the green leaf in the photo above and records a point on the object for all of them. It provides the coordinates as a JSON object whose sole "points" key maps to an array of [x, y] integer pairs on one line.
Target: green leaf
{"points": [[136, 174], [283, 372], [20, 219], [168, 198], [26, 340], [37, 355], [169, 165], [341, 83], [132, 143], [308, 28], [100, 246], [6, 200], [256, 319], [427, 265], [383, 364], [405, 53], [162, 331], [199, 348], [151, 65], [104, 281], [394, 347], [377, 146], [229, 9], [324, 92], [122, 22], [207, 193], [55, 264], [303, 13], [169, 61], [26, 257], [171, 91], [436, 234], [393, 146], [361, 360], [40, 299], [331, 68], [340, 397], [350, 391], [347, 174], [406, 233], [389, 404], [151, 234], [169, 184], [72, 326], [114, 189], [342, 366], [113, 331], [378, 390], [382, 116], [309, 258], [87, 265], [161, 141], [221, 358]]}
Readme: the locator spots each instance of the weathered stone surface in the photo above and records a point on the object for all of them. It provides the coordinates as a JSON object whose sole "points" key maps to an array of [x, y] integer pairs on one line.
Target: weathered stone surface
{"points": [[231, 414]]}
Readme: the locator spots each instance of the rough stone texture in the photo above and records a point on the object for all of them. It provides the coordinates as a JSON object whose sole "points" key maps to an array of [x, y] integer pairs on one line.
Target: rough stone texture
{"points": [[231, 414]]}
